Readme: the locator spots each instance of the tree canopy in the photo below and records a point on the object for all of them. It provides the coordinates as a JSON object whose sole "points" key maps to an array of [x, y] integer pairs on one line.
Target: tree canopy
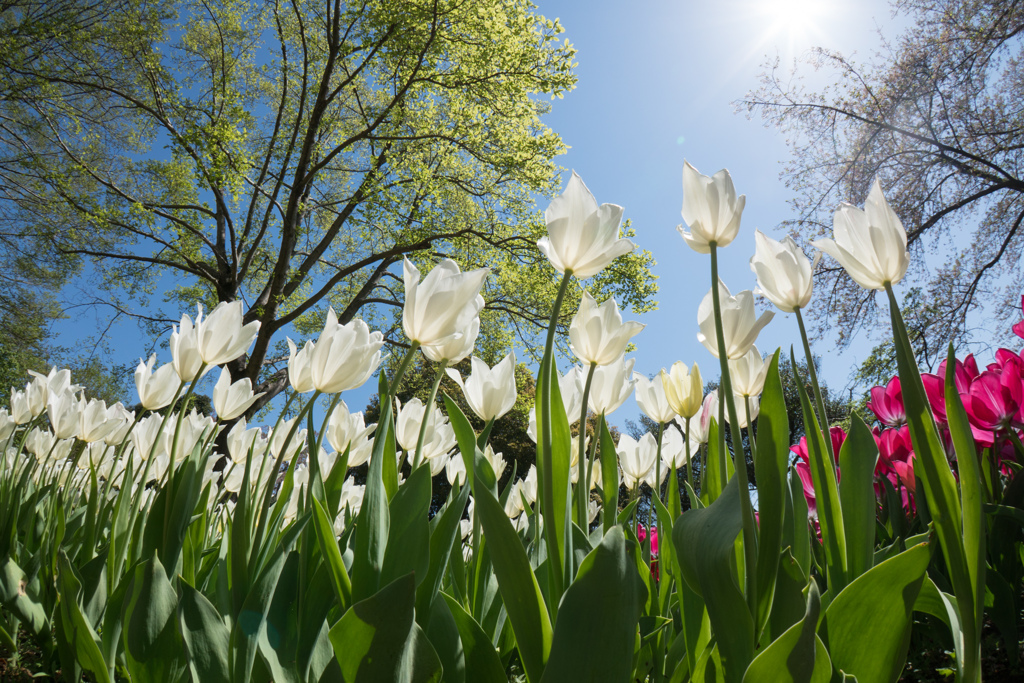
{"points": [[289, 156], [936, 116]]}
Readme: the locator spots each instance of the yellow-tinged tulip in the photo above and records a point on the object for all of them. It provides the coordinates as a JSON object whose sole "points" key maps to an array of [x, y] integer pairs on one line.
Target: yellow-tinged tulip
{"points": [[156, 389], [683, 389], [344, 356]]}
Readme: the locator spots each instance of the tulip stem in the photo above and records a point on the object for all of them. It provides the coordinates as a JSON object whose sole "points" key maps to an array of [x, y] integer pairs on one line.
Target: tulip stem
{"points": [[546, 471], [400, 373], [739, 456], [750, 429], [689, 456], [819, 403], [598, 431], [428, 413], [582, 484]]}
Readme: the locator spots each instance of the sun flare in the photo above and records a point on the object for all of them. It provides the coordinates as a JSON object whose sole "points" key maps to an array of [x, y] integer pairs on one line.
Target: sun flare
{"points": [[794, 20]]}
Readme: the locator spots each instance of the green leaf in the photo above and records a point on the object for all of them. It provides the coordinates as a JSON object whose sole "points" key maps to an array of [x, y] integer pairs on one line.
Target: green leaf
{"points": [[609, 478], [826, 492], [711, 574], [857, 460], [152, 645], [442, 539], [378, 640], [207, 639], [971, 496], [770, 466], [78, 631], [482, 662], [374, 520], [598, 616], [332, 556], [408, 548], [250, 621], [520, 592], [869, 621], [798, 655]]}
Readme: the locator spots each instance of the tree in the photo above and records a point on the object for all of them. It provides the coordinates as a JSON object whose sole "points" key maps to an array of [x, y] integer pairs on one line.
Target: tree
{"points": [[936, 117], [291, 155]]}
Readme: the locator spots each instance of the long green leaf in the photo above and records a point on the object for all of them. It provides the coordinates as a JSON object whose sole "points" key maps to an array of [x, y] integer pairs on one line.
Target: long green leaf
{"points": [[373, 521], [857, 459], [378, 639], [869, 621], [520, 592], [207, 639], [482, 662], [826, 493], [798, 655], [770, 465], [408, 548], [601, 607], [705, 540], [332, 556], [79, 632]]}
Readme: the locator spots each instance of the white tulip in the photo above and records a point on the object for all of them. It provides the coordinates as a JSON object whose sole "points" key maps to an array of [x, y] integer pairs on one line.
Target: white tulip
{"points": [[490, 392], [711, 209], [784, 274], [870, 244], [611, 385], [345, 356], [443, 305], [597, 334], [582, 236], [651, 397], [739, 326], [232, 400]]}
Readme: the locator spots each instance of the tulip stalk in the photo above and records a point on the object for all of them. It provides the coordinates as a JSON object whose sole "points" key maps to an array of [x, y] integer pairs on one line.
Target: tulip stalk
{"points": [[819, 403], [582, 495], [428, 411], [546, 472], [739, 458]]}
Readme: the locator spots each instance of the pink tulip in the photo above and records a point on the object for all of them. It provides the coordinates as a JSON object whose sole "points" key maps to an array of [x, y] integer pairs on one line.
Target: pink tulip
{"points": [[995, 398], [838, 437], [887, 403], [1018, 329]]}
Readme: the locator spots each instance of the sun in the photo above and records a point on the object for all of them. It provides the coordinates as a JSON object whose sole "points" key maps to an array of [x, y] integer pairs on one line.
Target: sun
{"points": [[794, 21]]}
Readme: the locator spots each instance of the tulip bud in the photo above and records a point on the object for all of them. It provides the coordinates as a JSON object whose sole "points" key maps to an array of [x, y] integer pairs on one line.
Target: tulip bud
{"points": [[299, 367], [711, 209], [185, 350], [597, 334], [346, 431], [582, 236]]}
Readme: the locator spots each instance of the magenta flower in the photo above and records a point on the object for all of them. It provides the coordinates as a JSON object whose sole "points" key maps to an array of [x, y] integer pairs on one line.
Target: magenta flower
{"points": [[995, 398], [1018, 329], [894, 446], [838, 437], [887, 403]]}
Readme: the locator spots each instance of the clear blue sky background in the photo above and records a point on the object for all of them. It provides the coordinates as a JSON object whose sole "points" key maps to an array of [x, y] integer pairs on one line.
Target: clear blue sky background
{"points": [[657, 85]]}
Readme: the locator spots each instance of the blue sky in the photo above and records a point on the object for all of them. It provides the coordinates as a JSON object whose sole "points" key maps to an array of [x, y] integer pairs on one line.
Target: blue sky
{"points": [[657, 85]]}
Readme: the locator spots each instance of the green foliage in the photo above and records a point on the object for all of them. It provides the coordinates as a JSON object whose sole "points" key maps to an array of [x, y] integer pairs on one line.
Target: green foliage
{"points": [[291, 158]]}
